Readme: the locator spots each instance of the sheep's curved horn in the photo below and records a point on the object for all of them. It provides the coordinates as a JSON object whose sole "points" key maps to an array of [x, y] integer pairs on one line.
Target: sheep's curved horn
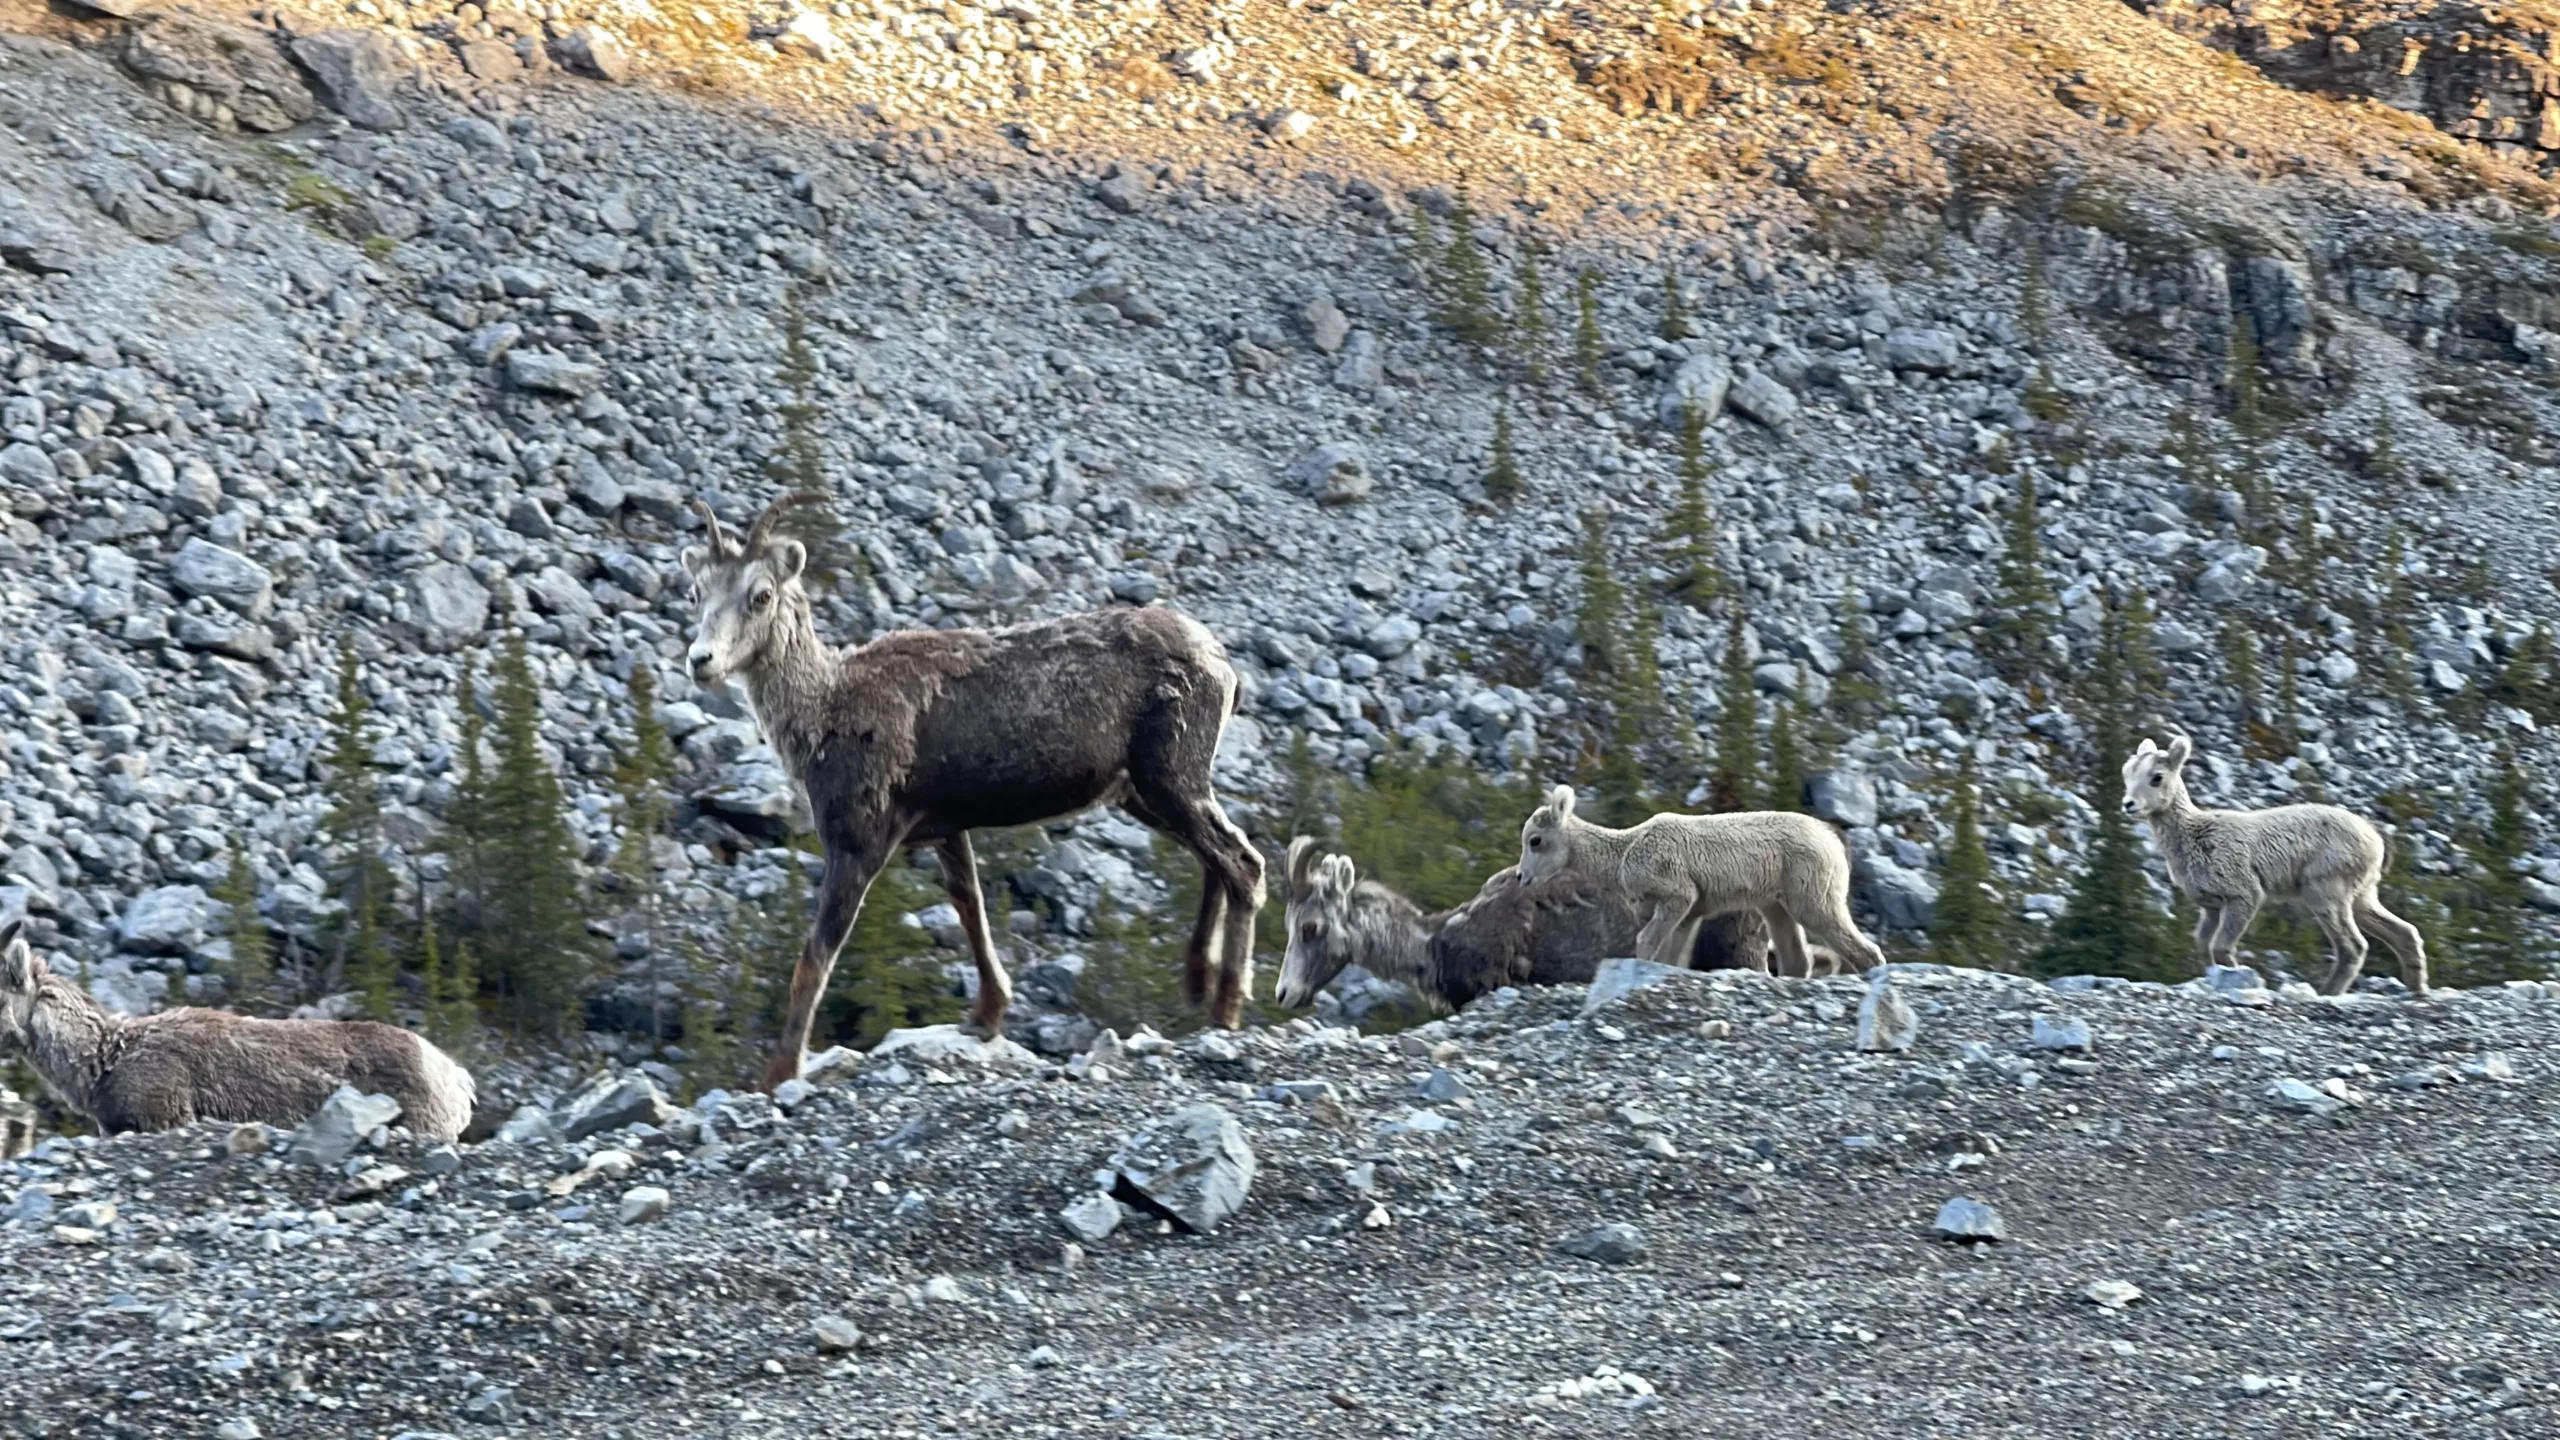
{"points": [[1302, 864], [720, 542], [762, 530]]}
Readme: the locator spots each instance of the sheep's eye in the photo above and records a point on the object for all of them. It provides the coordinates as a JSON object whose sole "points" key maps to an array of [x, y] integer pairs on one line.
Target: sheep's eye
{"points": [[1535, 842], [763, 598], [1309, 930], [2155, 779]]}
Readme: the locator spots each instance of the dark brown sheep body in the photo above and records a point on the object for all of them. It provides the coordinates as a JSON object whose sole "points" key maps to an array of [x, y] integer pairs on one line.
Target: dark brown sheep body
{"points": [[920, 737], [156, 1072]]}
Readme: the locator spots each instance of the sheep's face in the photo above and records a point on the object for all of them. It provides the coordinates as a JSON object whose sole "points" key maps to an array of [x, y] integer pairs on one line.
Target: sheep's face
{"points": [[741, 601], [2154, 778], [1543, 838], [20, 975], [1319, 915]]}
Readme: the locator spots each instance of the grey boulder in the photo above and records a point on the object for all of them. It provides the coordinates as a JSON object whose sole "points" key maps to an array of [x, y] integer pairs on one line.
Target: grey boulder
{"points": [[1193, 1168], [338, 1126], [357, 70]]}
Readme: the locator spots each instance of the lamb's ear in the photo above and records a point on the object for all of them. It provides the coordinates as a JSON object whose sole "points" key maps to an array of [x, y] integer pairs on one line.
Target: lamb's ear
{"points": [[2145, 748], [2180, 747], [691, 558], [788, 558], [1560, 801], [1348, 876]]}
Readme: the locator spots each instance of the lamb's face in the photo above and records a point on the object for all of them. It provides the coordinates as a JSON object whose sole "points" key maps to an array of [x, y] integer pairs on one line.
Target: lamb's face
{"points": [[740, 601], [20, 970], [1544, 846], [2154, 778], [1319, 917]]}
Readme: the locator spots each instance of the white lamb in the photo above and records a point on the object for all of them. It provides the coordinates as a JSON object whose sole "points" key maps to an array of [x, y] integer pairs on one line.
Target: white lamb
{"points": [[2230, 862], [1683, 870]]}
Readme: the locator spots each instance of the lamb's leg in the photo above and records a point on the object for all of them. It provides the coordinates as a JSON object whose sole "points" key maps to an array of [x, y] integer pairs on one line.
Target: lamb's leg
{"points": [[840, 892], [2236, 913], [2400, 935], [2208, 918], [1659, 936], [960, 882], [2346, 947], [1834, 931], [1787, 954]]}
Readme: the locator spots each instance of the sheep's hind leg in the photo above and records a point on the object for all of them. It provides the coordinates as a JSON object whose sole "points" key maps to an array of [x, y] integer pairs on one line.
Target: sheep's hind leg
{"points": [[1215, 973], [1659, 937], [2400, 935], [1786, 943], [960, 882]]}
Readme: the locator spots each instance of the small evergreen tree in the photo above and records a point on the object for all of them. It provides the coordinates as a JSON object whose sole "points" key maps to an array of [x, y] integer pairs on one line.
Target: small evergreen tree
{"points": [[2288, 698], [1737, 760], [1422, 250], [360, 947], [2026, 603], [885, 980], [1855, 696], [1695, 576], [1675, 309], [2386, 446], [2247, 416], [2240, 665], [2114, 925], [249, 975], [1601, 626], [1964, 927], [1586, 331], [1529, 316], [1502, 480], [1466, 282], [1786, 761], [642, 778], [530, 928], [2031, 307]]}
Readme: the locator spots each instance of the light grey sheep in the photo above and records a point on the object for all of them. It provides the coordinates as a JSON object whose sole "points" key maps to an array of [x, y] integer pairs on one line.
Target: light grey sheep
{"points": [[2231, 862], [158, 1072], [1680, 871]]}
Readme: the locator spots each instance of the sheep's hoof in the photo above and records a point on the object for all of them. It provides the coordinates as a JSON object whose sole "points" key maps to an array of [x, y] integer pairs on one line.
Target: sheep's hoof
{"points": [[984, 1027]]}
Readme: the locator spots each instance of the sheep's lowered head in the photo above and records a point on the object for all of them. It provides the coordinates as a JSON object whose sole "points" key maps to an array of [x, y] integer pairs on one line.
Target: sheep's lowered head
{"points": [[2154, 778], [1544, 844], [745, 589], [22, 974], [1319, 914]]}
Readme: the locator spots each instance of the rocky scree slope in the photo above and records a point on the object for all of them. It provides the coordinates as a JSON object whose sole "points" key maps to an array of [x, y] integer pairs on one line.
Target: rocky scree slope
{"points": [[441, 356], [1673, 1203]]}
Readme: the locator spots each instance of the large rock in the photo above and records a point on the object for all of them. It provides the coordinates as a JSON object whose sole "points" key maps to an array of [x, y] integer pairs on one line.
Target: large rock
{"points": [[333, 1132], [1611, 1244], [609, 1102], [1335, 473], [594, 53], [1844, 797], [204, 568], [448, 606], [1913, 347], [950, 1045], [225, 76], [357, 70], [1760, 396], [171, 920], [1700, 383], [1193, 1168], [551, 373], [1886, 1021], [1904, 899], [1617, 979]]}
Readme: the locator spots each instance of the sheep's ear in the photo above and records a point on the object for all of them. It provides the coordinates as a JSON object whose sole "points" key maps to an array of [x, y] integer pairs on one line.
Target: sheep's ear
{"points": [[691, 558], [1560, 800], [18, 969], [1349, 875], [2145, 748], [788, 558], [2180, 747]]}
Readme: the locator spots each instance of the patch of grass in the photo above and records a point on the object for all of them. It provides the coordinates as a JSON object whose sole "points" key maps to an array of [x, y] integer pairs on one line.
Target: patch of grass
{"points": [[311, 190], [379, 247], [2528, 242]]}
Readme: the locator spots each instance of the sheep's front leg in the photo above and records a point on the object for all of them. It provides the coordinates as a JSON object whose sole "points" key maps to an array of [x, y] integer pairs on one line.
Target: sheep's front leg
{"points": [[840, 892], [1659, 938], [2237, 912], [2208, 919], [960, 882]]}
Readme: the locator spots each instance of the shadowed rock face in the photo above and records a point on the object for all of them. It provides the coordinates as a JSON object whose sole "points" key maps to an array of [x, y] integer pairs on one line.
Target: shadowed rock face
{"points": [[2478, 72]]}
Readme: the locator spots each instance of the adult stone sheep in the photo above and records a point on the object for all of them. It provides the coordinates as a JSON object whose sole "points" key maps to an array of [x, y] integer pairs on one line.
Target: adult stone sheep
{"points": [[156, 1072], [1680, 871], [921, 736], [1511, 932], [2231, 862]]}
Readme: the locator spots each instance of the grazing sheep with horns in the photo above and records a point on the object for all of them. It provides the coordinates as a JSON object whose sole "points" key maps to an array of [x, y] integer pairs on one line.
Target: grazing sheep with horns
{"points": [[1680, 871], [157, 1072], [1512, 932], [2231, 862]]}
